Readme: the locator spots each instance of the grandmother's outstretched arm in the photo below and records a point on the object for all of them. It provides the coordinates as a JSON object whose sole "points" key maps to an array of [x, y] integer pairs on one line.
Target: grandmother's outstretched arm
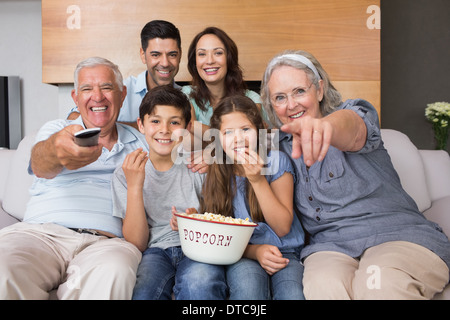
{"points": [[312, 137]]}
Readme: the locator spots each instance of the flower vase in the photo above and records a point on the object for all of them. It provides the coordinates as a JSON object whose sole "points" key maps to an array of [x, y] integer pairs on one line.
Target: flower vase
{"points": [[441, 135]]}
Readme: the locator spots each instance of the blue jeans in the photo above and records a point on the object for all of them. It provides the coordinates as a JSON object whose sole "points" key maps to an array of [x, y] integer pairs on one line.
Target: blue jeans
{"points": [[163, 271], [247, 280]]}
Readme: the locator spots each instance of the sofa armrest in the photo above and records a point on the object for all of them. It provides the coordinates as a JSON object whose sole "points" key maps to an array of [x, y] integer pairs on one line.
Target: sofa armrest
{"points": [[409, 165], [440, 214], [5, 218], [6, 156], [437, 172], [17, 194]]}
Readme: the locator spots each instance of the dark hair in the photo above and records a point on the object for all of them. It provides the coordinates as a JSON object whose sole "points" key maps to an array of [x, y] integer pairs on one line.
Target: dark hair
{"points": [[237, 103], [234, 80], [159, 29], [165, 95], [219, 187]]}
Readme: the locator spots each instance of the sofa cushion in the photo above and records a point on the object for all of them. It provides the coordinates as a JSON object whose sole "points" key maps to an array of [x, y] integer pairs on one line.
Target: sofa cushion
{"points": [[19, 181], [409, 166]]}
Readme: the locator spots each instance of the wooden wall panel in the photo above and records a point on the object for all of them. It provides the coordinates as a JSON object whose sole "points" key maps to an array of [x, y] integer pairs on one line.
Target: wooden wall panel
{"points": [[367, 90], [335, 31]]}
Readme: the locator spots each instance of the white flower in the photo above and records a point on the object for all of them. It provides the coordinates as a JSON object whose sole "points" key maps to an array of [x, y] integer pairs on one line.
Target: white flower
{"points": [[438, 112]]}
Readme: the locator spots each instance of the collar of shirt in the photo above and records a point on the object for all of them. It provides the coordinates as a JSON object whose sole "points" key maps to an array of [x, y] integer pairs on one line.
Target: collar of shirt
{"points": [[141, 83], [79, 121], [285, 137], [125, 134]]}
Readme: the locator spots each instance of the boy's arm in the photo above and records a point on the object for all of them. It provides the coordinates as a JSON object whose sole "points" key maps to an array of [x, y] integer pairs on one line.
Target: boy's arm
{"points": [[135, 226]]}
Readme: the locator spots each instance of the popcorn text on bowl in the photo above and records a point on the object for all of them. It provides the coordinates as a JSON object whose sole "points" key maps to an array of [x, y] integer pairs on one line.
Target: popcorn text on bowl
{"points": [[207, 238]]}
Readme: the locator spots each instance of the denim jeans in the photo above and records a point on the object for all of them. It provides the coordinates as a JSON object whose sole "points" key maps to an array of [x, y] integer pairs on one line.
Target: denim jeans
{"points": [[163, 271], [247, 280]]}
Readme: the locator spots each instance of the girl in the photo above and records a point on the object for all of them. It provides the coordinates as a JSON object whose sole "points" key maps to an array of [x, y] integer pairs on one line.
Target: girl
{"points": [[236, 187]]}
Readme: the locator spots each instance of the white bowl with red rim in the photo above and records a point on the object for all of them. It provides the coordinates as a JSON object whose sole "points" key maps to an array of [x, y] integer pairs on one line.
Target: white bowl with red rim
{"points": [[213, 242]]}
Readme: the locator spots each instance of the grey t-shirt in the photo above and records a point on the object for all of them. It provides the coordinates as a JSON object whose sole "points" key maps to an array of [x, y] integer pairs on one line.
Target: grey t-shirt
{"points": [[179, 187]]}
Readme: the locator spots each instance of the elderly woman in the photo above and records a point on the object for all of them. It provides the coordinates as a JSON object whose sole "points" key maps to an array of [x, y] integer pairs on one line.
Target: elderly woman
{"points": [[367, 239]]}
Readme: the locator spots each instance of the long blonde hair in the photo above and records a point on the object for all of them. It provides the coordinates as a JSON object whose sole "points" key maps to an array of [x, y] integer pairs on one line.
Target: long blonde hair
{"points": [[219, 187]]}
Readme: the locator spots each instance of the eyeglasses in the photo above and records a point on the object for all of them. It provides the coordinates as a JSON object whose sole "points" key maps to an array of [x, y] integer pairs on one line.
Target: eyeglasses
{"points": [[281, 99]]}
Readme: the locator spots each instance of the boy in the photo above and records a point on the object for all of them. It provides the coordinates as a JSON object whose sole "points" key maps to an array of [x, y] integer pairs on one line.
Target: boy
{"points": [[144, 193]]}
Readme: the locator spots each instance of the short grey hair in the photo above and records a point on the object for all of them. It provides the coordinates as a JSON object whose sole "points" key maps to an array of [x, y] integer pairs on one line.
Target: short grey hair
{"points": [[98, 61], [331, 97]]}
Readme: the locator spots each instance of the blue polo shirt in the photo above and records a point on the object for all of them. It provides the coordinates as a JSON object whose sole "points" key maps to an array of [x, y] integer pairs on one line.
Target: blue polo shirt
{"points": [[81, 198], [352, 201], [136, 90]]}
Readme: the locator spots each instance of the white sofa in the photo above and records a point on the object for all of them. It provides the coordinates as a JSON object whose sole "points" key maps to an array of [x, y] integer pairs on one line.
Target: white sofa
{"points": [[425, 175]]}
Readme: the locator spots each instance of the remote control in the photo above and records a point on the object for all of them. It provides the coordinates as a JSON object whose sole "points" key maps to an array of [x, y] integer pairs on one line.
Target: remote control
{"points": [[87, 137]]}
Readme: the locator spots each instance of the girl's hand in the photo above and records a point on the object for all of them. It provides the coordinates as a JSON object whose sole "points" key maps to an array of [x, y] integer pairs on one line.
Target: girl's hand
{"points": [[134, 167], [251, 163], [270, 258], [173, 220]]}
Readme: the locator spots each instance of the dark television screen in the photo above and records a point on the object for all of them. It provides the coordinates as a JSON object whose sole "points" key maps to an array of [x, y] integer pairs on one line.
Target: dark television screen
{"points": [[4, 114]]}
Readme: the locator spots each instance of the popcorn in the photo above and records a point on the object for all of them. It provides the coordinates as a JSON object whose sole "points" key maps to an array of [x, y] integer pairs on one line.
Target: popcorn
{"points": [[218, 218]]}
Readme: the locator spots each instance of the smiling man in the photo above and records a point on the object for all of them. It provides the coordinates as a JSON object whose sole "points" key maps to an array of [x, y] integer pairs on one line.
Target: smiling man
{"points": [[69, 239], [161, 52]]}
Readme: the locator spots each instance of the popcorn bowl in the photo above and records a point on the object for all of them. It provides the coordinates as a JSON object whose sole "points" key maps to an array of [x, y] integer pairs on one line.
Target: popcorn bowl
{"points": [[213, 242]]}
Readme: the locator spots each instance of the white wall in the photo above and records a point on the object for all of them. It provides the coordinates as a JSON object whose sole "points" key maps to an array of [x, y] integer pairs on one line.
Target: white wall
{"points": [[21, 55], [65, 102]]}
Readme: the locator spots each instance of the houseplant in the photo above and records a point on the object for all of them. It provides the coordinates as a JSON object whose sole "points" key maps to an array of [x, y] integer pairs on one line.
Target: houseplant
{"points": [[438, 113]]}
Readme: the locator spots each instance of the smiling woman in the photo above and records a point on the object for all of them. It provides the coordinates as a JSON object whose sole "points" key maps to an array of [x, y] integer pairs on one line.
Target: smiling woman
{"points": [[294, 96], [216, 74], [350, 197], [211, 60], [212, 63]]}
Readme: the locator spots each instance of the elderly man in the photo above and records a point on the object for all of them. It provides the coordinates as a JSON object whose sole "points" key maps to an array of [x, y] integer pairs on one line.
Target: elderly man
{"points": [[69, 239]]}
